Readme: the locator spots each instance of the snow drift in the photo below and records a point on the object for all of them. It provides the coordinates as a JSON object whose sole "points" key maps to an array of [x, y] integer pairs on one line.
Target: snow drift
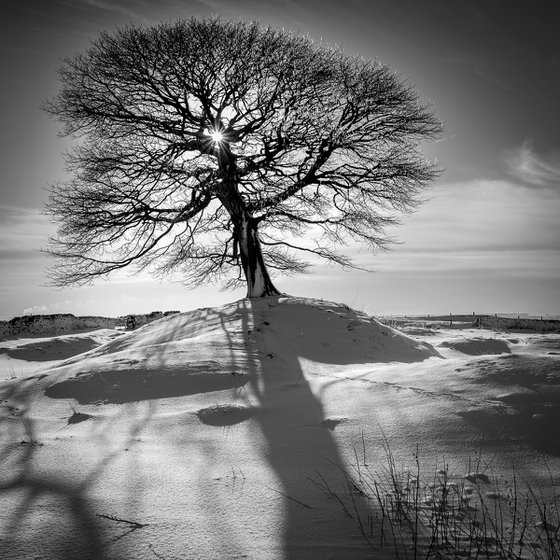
{"points": [[238, 431], [215, 349]]}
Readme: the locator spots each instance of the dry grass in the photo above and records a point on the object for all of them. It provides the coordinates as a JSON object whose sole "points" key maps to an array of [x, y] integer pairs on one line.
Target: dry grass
{"points": [[429, 513]]}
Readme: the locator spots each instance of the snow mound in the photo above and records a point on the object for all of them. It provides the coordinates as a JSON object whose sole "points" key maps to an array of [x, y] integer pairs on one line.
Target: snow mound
{"points": [[215, 348], [270, 468], [332, 333], [58, 348], [478, 346]]}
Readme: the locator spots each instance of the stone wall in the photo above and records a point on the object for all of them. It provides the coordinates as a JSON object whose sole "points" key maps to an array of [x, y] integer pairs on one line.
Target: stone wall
{"points": [[519, 324], [65, 323], [60, 323]]}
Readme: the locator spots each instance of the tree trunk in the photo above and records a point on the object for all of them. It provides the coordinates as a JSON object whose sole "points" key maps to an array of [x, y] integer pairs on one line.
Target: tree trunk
{"points": [[245, 231], [259, 283]]}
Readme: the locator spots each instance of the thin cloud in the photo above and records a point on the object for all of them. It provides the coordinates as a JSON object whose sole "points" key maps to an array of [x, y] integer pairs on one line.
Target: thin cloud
{"points": [[143, 11], [480, 66], [510, 262], [118, 8], [527, 166], [477, 225], [23, 231], [18, 216]]}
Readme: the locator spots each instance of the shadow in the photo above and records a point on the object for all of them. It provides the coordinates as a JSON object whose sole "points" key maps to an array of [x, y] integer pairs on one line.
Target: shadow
{"points": [[122, 386], [300, 446], [49, 508], [478, 346], [258, 360], [533, 423], [74, 534], [530, 393], [159, 360], [27, 530], [50, 350]]}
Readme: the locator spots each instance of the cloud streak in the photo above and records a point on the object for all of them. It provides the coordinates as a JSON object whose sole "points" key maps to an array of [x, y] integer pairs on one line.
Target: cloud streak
{"points": [[527, 166], [117, 8], [480, 65], [483, 214], [494, 232], [23, 229]]}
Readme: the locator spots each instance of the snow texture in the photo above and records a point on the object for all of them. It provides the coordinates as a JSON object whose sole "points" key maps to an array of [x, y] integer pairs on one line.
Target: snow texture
{"points": [[232, 432]]}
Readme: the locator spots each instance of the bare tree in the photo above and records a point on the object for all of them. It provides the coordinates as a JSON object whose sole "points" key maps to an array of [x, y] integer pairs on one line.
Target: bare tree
{"points": [[212, 148]]}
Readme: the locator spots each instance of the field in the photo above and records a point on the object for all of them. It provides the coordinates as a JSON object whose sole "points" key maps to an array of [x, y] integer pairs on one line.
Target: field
{"points": [[281, 428]]}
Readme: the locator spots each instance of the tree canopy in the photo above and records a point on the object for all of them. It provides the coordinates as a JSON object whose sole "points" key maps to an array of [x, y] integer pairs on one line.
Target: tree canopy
{"points": [[221, 150]]}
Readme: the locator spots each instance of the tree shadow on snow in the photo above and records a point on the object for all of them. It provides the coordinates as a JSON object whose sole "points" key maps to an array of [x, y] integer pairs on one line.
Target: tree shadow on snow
{"points": [[43, 515], [312, 481], [47, 512], [122, 386], [324, 515], [50, 350]]}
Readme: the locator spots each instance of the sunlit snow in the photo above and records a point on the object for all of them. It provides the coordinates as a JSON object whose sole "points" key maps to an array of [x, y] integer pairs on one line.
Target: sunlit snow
{"points": [[239, 431]]}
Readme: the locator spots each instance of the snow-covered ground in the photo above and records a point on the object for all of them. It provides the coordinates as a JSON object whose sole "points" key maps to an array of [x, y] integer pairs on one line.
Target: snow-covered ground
{"points": [[241, 431]]}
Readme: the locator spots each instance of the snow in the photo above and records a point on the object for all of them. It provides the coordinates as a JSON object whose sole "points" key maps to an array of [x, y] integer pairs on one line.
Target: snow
{"points": [[478, 346], [236, 431]]}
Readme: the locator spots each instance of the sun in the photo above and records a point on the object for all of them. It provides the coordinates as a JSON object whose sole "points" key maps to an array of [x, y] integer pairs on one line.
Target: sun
{"points": [[216, 136]]}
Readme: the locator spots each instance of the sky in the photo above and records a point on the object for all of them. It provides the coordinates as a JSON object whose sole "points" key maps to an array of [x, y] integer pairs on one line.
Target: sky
{"points": [[486, 241]]}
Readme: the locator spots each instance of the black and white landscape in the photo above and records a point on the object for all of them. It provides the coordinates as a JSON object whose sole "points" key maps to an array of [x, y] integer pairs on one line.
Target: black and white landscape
{"points": [[308, 394], [280, 428]]}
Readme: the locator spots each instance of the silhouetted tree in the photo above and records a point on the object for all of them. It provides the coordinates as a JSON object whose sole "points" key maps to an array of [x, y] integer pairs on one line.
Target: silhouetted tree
{"points": [[207, 147]]}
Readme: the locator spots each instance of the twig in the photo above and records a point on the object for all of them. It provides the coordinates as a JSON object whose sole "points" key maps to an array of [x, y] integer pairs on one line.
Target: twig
{"points": [[151, 548], [119, 520], [289, 497], [327, 489]]}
